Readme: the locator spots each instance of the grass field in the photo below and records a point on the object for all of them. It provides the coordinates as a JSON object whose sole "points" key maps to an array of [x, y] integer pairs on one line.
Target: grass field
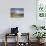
{"points": [[17, 15]]}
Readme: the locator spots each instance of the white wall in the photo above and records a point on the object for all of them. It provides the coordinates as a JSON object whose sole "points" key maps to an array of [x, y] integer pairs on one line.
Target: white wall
{"points": [[23, 23]]}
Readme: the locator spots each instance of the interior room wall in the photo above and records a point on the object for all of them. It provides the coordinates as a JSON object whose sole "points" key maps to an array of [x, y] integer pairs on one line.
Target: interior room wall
{"points": [[24, 23]]}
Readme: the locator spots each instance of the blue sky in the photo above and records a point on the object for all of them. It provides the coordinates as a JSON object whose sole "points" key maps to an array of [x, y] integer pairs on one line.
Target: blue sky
{"points": [[19, 9]]}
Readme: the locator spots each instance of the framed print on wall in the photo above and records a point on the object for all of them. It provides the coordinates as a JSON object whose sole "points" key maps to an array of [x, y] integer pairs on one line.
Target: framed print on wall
{"points": [[17, 12], [41, 8]]}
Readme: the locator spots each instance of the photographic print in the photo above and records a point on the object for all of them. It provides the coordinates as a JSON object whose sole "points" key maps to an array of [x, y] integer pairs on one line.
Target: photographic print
{"points": [[17, 12]]}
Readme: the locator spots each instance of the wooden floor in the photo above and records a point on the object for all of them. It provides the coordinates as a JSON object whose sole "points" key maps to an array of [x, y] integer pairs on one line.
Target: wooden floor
{"points": [[13, 44]]}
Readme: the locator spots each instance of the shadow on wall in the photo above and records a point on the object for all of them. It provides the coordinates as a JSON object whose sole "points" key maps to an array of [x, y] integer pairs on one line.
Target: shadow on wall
{"points": [[8, 30]]}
